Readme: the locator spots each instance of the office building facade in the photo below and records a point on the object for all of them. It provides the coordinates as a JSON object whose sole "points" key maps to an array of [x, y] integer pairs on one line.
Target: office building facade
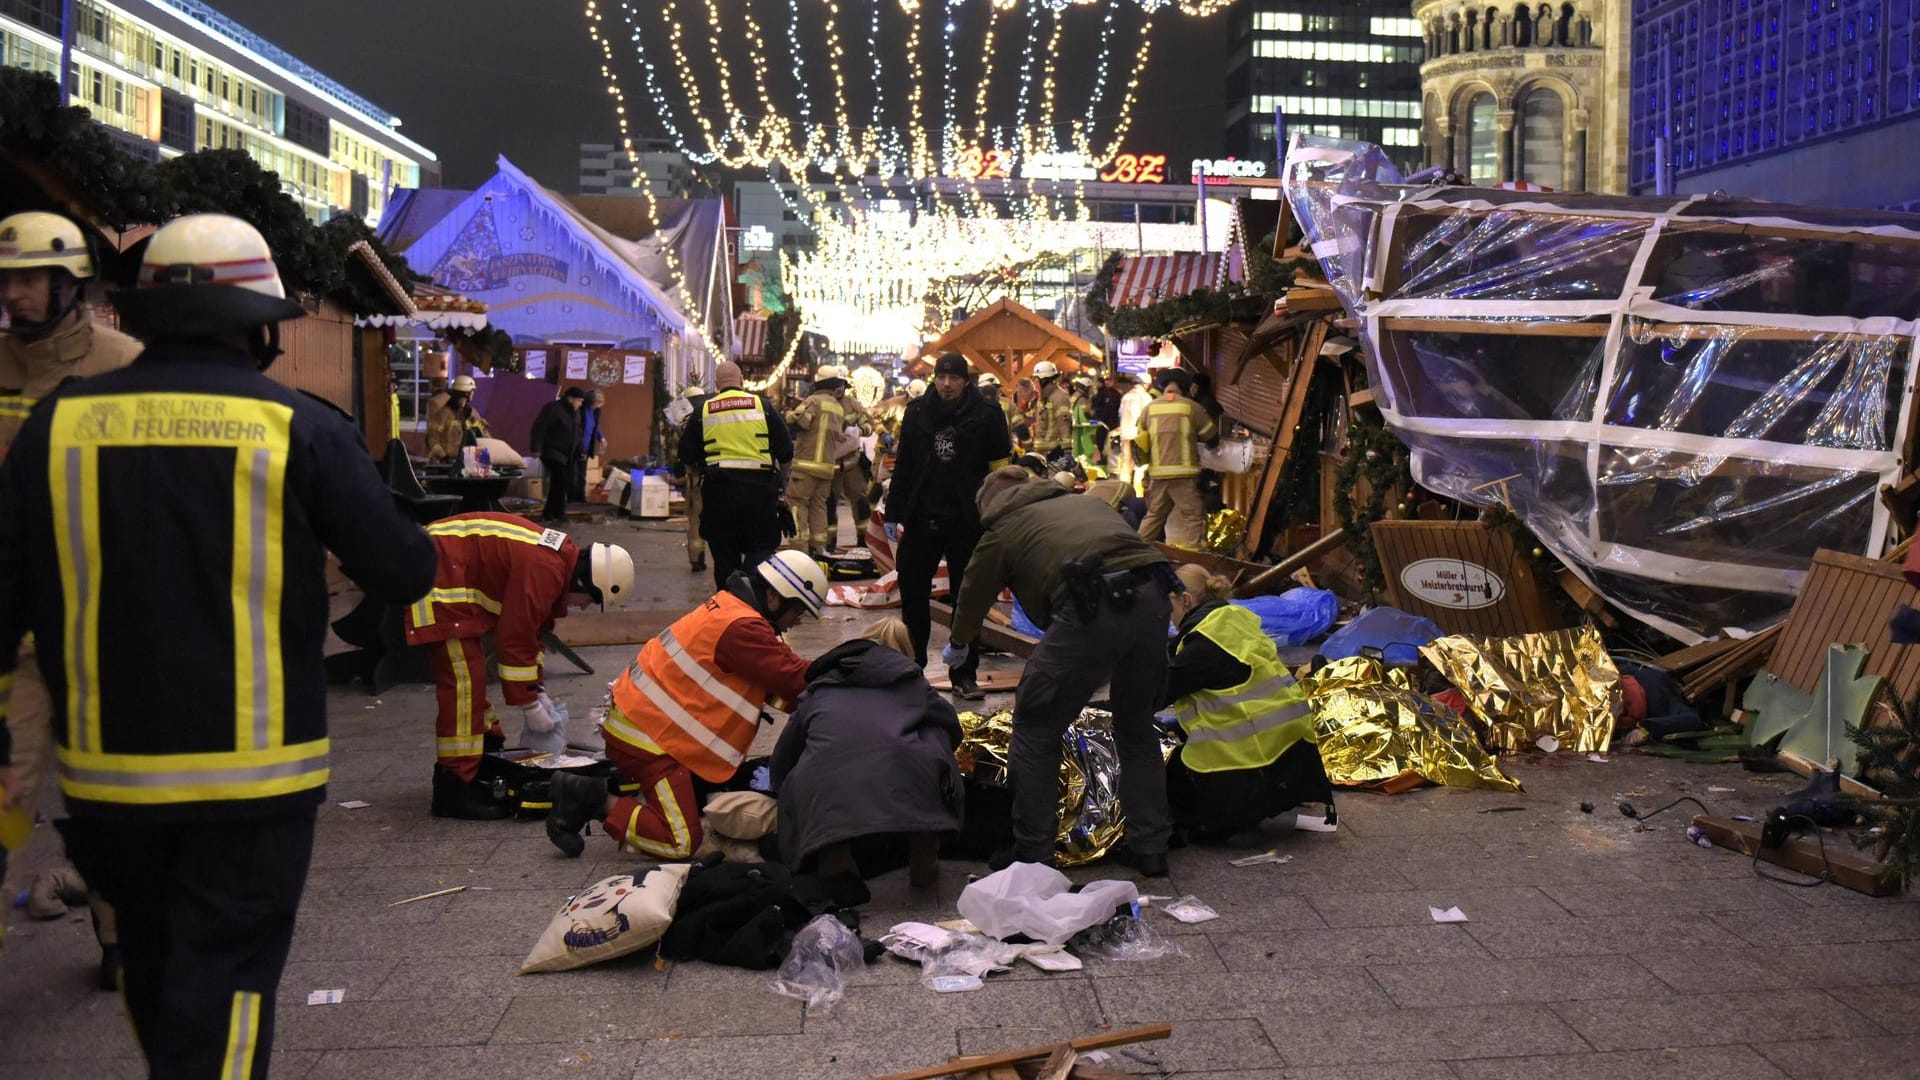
{"points": [[606, 169], [175, 76], [1527, 92], [1345, 68], [1807, 101]]}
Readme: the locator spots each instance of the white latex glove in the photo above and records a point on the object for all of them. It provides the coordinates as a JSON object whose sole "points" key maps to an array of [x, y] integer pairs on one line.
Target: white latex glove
{"points": [[540, 715], [558, 708]]}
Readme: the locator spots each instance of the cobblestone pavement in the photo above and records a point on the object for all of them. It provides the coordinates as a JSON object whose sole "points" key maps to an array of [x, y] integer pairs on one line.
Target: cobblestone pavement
{"points": [[1593, 950]]}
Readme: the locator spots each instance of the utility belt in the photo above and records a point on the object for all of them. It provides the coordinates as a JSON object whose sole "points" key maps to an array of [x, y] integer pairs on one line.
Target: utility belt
{"points": [[1090, 585]]}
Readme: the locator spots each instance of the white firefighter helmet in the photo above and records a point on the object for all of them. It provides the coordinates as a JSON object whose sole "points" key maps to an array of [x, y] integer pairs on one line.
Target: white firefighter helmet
{"points": [[462, 384], [39, 239], [692, 392], [206, 275], [988, 378], [1046, 369], [916, 388], [611, 568], [794, 575]]}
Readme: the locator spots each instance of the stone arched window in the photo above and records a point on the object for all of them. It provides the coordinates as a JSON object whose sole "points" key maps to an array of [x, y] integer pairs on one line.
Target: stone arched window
{"points": [[1471, 36], [1586, 31], [1495, 38], [1479, 154], [1486, 28], [1543, 136], [1522, 26], [1543, 26], [1430, 131], [1453, 34], [1563, 31]]}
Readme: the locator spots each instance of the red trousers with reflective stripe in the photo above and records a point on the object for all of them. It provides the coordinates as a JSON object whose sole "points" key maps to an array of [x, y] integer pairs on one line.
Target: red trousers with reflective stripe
{"points": [[666, 825], [465, 718]]}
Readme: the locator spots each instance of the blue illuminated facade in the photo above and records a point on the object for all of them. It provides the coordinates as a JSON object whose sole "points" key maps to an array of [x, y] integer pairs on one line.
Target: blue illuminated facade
{"points": [[1808, 101]]}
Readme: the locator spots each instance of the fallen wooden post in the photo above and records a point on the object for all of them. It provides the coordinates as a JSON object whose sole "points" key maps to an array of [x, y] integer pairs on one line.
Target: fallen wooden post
{"points": [[1004, 638], [1284, 569], [988, 1062], [1841, 863]]}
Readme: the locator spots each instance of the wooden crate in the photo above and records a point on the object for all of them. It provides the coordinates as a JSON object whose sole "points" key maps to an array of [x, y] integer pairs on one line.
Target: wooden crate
{"points": [[1847, 600], [1466, 577]]}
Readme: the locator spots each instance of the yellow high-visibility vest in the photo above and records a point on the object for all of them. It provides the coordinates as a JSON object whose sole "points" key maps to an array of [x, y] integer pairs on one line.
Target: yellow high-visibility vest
{"points": [[733, 426], [1250, 725]]}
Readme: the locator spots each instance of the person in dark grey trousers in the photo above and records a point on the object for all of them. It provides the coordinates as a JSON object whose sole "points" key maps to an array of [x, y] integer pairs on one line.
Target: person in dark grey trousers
{"points": [[1100, 594]]}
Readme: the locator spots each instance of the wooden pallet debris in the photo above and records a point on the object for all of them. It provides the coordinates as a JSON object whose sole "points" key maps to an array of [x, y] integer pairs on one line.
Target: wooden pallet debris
{"points": [[1802, 854], [1038, 1060]]}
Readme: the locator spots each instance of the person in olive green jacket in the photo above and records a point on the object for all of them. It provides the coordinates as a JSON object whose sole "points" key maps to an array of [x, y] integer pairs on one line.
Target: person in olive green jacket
{"points": [[1100, 596]]}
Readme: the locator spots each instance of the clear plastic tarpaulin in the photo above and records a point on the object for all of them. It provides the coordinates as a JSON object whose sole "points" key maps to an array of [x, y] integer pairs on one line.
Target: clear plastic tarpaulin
{"points": [[1683, 397]]}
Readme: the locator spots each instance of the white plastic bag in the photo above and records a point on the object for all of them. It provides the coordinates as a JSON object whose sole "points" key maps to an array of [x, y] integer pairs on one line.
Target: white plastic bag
{"points": [[823, 952], [1031, 899], [1125, 938]]}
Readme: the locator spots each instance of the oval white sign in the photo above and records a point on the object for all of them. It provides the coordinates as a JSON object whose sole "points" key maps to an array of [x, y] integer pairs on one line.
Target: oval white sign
{"points": [[1453, 583]]}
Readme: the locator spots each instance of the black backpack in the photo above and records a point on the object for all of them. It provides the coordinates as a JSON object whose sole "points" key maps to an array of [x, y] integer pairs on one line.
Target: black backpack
{"points": [[738, 914]]}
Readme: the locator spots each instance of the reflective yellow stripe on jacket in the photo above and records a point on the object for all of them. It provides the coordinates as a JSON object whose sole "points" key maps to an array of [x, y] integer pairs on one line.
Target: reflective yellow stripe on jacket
{"points": [[260, 764], [733, 427], [1171, 428], [1252, 724], [811, 453]]}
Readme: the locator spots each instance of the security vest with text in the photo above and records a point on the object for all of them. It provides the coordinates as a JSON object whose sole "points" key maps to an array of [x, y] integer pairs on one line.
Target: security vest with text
{"points": [[675, 700], [1250, 725], [733, 424]]}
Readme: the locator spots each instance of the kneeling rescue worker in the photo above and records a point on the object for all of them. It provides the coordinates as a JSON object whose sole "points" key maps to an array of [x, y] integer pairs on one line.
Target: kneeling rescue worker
{"points": [[688, 706], [164, 531], [507, 576]]}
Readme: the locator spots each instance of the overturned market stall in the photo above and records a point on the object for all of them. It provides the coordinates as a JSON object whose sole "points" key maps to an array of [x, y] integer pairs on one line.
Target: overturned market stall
{"points": [[1684, 398]]}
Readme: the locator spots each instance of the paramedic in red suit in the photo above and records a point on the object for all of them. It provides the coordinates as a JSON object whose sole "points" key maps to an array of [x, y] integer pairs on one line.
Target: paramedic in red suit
{"points": [[689, 705], [507, 576]]}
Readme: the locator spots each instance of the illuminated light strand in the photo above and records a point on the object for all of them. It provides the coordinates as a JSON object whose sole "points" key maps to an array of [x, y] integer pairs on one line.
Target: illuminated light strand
{"points": [[756, 55], [726, 75], [799, 78], [918, 162], [948, 137], [847, 147], [985, 137], [1085, 143], [1026, 72], [1123, 118], [1059, 26], [660, 106], [688, 84], [879, 78]]}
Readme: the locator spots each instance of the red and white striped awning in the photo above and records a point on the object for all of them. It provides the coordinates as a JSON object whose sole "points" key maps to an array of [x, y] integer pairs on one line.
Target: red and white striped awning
{"points": [[1520, 185], [1145, 280], [749, 337]]}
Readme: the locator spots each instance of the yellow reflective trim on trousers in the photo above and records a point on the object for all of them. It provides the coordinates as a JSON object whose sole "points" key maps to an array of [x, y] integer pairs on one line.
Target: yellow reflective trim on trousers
{"points": [[514, 673], [682, 846], [460, 746], [73, 478], [243, 1035], [624, 730], [462, 687]]}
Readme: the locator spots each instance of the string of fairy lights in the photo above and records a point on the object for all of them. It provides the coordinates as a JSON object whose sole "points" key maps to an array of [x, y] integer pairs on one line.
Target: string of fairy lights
{"points": [[861, 255]]}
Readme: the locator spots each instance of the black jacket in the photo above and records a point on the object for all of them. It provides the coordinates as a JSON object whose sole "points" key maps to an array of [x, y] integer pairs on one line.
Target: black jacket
{"points": [[556, 433], [1195, 663], [869, 750], [209, 493], [945, 452]]}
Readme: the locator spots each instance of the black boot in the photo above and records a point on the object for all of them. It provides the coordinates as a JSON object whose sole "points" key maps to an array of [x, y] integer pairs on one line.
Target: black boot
{"points": [[474, 800], [492, 742], [578, 801], [964, 686], [699, 563]]}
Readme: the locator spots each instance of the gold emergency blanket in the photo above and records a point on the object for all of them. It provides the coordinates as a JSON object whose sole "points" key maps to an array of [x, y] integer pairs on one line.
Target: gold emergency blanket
{"points": [[1225, 529], [1374, 726], [1561, 684], [1091, 818]]}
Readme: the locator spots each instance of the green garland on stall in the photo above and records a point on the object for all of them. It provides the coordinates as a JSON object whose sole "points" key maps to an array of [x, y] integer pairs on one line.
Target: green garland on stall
{"points": [[488, 343], [1890, 760], [1375, 456], [1266, 279]]}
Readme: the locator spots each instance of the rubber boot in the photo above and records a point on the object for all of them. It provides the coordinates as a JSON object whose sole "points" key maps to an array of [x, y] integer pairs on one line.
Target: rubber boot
{"points": [[454, 797], [578, 801], [923, 855]]}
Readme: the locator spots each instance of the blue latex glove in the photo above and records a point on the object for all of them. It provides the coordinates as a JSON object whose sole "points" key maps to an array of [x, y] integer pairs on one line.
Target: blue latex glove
{"points": [[762, 779], [893, 533], [955, 655]]}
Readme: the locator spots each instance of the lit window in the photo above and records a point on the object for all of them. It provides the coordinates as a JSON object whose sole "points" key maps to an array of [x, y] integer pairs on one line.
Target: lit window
{"points": [[1482, 145]]}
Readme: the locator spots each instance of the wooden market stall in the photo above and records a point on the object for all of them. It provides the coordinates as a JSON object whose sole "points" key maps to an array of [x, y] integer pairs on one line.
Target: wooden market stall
{"points": [[1009, 339]]}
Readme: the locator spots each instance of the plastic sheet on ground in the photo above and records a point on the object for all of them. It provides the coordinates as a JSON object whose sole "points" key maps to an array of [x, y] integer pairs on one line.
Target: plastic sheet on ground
{"points": [[1092, 820], [1296, 616], [815, 970], [1373, 727], [1560, 685], [1682, 397], [1033, 900], [1397, 634]]}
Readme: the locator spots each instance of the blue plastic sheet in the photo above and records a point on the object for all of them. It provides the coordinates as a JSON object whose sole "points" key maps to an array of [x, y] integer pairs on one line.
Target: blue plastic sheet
{"points": [[1296, 616], [1021, 622], [1396, 633]]}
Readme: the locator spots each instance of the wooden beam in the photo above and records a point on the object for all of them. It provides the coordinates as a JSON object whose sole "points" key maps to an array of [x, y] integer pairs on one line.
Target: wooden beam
{"points": [[1284, 569], [1695, 655], [1256, 540], [1014, 1057], [1232, 569], [1807, 767], [1803, 854], [1003, 638]]}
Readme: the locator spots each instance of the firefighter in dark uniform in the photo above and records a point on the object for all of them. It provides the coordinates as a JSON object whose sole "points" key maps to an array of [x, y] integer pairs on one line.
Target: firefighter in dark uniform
{"points": [[164, 531], [743, 450]]}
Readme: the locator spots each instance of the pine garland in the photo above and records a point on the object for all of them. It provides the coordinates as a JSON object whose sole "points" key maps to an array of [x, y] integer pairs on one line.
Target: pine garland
{"points": [[1375, 456], [1890, 759]]}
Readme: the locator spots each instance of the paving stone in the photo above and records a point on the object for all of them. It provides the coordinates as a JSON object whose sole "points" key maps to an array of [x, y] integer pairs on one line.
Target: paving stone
{"points": [[1667, 897], [577, 1018], [1570, 936], [1355, 946], [95, 1028], [1347, 1038], [1409, 908], [1784, 927], [361, 979], [1196, 1047], [1502, 982], [1688, 1063], [1151, 999], [1063, 1003], [1710, 1019], [472, 852], [1705, 971], [444, 1021], [793, 1057], [1396, 1070], [432, 877], [483, 976], [532, 1061], [1242, 906], [1894, 1008], [1491, 871], [1844, 1059]]}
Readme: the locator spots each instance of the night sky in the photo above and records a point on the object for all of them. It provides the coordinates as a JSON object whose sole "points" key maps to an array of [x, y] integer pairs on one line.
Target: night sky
{"points": [[472, 79]]}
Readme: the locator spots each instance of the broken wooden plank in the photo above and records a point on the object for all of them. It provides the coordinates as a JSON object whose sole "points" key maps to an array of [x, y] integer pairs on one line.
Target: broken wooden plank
{"points": [[1694, 655], [1283, 570], [1004, 638], [1360, 398], [1807, 767], [993, 682], [1232, 569], [1101, 1041], [1058, 1064], [1802, 854]]}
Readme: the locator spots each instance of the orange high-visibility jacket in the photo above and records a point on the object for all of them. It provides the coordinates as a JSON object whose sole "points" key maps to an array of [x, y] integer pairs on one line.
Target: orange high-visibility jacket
{"points": [[498, 573], [675, 699]]}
